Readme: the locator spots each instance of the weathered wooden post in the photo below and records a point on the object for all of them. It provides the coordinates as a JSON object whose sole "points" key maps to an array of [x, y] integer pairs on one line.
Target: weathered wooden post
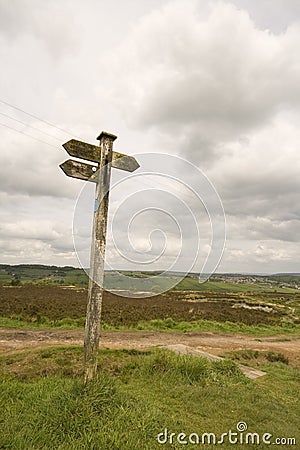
{"points": [[96, 276], [106, 158]]}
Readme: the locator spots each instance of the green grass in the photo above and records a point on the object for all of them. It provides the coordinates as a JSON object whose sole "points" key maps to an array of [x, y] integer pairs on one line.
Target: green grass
{"points": [[191, 284], [136, 396], [256, 357], [163, 325], [40, 274], [42, 322], [224, 327]]}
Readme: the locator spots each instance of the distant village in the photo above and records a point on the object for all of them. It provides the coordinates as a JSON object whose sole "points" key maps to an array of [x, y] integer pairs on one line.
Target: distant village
{"points": [[280, 280]]}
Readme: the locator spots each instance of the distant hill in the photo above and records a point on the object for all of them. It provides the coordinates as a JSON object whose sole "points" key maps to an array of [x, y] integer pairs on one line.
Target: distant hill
{"points": [[147, 281]]}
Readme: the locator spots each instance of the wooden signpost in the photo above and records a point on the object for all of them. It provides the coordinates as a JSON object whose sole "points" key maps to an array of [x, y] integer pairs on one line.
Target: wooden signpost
{"points": [[98, 173]]}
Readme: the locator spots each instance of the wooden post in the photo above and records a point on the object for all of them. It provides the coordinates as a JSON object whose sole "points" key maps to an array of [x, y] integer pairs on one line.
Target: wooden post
{"points": [[95, 292], [106, 158]]}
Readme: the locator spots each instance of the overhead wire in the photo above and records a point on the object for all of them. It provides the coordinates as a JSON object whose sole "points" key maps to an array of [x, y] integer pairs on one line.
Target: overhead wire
{"points": [[28, 135], [38, 118], [140, 181], [30, 126]]}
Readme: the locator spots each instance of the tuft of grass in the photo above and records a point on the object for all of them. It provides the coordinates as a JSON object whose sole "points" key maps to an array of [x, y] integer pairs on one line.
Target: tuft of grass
{"points": [[188, 368], [52, 411], [276, 357], [256, 356]]}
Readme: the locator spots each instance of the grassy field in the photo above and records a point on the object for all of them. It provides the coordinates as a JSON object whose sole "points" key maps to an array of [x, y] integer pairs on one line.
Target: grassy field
{"points": [[138, 395]]}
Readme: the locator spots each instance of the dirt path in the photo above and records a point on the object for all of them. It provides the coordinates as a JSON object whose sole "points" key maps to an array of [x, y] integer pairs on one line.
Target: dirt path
{"points": [[215, 343]]}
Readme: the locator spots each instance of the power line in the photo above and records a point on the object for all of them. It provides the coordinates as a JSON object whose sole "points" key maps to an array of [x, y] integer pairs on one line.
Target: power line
{"points": [[30, 126], [28, 135], [38, 118]]}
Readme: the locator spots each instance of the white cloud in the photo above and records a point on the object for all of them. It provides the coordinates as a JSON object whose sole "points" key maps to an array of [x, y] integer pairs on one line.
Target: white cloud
{"points": [[206, 79], [263, 256], [260, 177]]}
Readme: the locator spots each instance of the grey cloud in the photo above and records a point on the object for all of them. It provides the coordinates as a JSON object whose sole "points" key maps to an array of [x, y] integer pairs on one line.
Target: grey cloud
{"points": [[262, 195], [32, 168], [17, 251], [271, 14], [35, 228], [45, 22], [218, 90], [263, 227], [202, 83]]}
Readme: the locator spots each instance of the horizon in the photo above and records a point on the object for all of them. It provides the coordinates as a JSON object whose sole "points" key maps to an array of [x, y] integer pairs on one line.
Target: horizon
{"points": [[151, 271]]}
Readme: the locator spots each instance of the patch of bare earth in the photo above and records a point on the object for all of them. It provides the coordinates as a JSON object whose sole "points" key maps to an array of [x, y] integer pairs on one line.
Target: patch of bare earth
{"points": [[12, 340]]}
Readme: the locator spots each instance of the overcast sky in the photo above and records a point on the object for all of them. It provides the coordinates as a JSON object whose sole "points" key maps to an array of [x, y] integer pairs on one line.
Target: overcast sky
{"points": [[216, 83]]}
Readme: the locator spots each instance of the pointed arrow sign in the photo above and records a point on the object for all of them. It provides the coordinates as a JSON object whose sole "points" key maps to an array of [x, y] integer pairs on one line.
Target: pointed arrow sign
{"points": [[81, 170], [124, 162], [91, 152]]}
